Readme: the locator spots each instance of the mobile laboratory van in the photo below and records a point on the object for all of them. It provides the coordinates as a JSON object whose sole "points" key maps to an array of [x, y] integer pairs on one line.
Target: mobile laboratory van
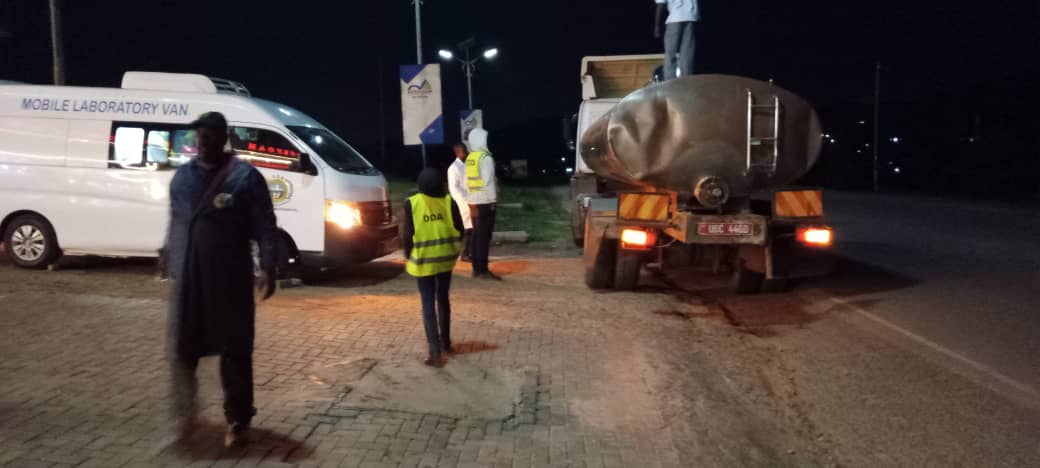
{"points": [[86, 171]]}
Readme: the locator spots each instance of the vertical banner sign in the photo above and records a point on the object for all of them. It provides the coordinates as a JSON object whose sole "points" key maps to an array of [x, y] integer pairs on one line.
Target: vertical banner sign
{"points": [[421, 104], [470, 119]]}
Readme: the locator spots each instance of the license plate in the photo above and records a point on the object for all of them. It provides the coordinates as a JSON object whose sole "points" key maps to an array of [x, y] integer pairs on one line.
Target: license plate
{"points": [[725, 229]]}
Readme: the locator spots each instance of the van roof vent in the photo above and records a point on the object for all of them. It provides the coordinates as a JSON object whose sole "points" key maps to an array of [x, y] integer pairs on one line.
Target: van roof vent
{"points": [[183, 82], [229, 87]]}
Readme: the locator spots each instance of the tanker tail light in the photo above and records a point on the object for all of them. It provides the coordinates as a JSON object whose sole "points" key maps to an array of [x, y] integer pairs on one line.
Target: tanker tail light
{"points": [[816, 236], [637, 239]]}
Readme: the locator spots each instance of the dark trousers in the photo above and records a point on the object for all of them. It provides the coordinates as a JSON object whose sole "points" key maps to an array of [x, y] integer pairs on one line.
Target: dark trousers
{"points": [[236, 376], [436, 310], [483, 227], [467, 243]]}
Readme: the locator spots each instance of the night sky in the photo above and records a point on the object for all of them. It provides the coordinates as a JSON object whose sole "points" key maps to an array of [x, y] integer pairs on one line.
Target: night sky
{"points": [[328, 58]]}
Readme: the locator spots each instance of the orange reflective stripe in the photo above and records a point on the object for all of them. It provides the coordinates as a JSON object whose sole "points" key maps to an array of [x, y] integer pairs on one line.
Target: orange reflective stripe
{"points": [[799, 204], [650, 207]]}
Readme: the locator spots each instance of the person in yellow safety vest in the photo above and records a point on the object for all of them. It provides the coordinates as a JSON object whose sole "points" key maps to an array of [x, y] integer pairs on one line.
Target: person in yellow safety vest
{"points": [[432, 241], [457, 187], [482, 196]]}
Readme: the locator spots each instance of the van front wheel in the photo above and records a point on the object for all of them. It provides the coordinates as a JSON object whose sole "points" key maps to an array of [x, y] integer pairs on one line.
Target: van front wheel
{"points": [[30, 242]]}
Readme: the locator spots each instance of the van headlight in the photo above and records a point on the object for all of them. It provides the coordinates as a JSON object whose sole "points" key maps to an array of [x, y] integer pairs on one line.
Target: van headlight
{"points": [[345, 215]]}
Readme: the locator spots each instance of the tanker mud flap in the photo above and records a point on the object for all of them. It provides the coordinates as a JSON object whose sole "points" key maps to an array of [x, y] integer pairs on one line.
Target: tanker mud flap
{"points": [[763, 268], [600, 255], [750, 269]]}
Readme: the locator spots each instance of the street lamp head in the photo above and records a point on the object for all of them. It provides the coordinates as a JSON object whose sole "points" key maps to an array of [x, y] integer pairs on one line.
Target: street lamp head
{"points": [[446, 54], [490, 54]]}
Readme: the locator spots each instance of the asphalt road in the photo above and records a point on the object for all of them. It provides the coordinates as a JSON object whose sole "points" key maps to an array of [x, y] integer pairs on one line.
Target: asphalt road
{"points": [[961, 277]]}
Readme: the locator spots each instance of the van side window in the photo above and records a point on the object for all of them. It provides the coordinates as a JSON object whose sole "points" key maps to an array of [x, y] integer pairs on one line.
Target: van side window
{"points": [[184, 147], [127, 145], [150, 147], [264, 148]]}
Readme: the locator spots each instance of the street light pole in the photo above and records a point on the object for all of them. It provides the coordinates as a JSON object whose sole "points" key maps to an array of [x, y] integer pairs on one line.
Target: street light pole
{"points": [[469, 83], [418, 31], [57, 48], [877, 126], [469, 65], [418, 55]]}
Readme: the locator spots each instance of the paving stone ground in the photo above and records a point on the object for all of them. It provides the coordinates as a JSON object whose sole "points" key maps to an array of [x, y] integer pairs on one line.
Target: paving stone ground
{"points": [[604, 380]]}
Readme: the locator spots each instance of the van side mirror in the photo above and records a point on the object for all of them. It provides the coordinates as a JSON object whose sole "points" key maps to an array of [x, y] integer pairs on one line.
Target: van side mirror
{"points": [[307, 166]]}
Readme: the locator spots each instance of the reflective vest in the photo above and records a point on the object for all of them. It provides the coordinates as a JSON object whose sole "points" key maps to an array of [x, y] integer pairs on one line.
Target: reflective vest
{"points": [[436, 243], [474, 182]]}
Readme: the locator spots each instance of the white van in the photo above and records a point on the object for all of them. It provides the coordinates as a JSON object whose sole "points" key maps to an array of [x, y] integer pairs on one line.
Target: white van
{"points": [[86, 171]]}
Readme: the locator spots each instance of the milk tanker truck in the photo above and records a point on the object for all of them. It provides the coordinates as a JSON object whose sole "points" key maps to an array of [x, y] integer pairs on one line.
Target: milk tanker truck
{"points": [[695, 172]]}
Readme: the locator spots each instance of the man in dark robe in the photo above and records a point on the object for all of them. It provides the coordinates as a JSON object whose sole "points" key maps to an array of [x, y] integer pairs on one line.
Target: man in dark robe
{"points": [[218, 205]]}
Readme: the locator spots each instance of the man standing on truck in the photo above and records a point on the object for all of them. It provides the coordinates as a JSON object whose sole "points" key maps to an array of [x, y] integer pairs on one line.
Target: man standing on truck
{"points": [[457, 187], [218, 205], [678, 34], [483, 194]]}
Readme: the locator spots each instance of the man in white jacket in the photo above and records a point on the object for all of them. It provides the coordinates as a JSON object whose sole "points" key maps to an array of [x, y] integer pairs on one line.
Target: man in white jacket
{"points": [[483, 195], [459, 193]]}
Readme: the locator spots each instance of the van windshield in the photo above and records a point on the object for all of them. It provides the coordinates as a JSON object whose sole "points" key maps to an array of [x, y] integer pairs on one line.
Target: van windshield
{"points": [[334, 151]]}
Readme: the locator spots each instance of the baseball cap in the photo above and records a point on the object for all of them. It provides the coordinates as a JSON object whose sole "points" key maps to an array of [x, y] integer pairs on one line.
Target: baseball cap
{"points": [[210, 120]]}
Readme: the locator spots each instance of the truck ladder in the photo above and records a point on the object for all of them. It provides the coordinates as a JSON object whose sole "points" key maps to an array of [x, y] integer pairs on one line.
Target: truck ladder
{"points": [[753, 165]]}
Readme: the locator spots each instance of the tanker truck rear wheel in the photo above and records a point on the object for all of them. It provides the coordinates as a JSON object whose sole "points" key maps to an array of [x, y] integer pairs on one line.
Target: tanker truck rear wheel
{"points": [[578, 225], [600, 263], [626, 272]]}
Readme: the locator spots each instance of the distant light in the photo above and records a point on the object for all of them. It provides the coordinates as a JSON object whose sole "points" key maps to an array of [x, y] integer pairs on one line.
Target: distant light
{"points": [[490, 53], [859, 151], [563, 159], [833, 140], [446, 54], [570, 170], [318, 139], [284, 111], [897, 170], [826, 135], [894, 139], [971, 140], [862, 122], [867, 145]]}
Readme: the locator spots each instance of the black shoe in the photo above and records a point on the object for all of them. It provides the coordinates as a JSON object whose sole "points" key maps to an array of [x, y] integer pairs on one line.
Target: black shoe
{"points": [[448, 349], [434, 361], [237, 435], [487, 275]]}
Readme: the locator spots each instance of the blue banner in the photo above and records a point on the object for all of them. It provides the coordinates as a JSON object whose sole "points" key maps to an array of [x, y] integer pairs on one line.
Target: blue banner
{"points": [[423, 119]]}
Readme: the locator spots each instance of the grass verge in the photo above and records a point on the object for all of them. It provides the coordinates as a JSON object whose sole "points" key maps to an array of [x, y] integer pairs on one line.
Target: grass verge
{"points": [[543, 216]]}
